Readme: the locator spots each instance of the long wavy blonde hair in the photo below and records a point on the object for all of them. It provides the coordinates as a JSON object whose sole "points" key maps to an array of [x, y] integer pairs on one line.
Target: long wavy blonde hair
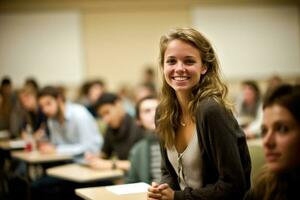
{"points": [[210, 84]]}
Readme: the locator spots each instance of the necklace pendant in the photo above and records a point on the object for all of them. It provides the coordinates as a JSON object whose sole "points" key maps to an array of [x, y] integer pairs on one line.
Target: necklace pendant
{"points": [[182, 124]]}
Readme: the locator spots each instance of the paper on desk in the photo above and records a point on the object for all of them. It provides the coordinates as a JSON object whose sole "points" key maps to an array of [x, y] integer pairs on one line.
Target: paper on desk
{"points": [[17, 143], [128, 188]]}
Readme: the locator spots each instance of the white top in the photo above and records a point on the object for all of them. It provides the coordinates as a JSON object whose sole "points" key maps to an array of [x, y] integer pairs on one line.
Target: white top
{"points": [[188, 164]]}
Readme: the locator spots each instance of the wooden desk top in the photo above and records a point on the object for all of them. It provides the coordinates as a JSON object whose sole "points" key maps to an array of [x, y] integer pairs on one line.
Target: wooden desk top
{"points": [[96, 193], [81, 174], [35, 157], [12, 144]]}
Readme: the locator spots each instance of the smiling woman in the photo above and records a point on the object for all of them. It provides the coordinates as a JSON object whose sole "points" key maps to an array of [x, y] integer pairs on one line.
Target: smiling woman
{"points": [[202, 146], [281, 143]]}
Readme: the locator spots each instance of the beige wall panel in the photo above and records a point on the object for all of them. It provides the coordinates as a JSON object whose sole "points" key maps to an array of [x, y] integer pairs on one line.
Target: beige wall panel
{"points": [[119, 44]]}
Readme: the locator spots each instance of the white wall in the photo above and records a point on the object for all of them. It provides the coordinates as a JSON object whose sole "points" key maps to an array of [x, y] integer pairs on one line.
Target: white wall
{"points": [[46, 45], [252, 41]]}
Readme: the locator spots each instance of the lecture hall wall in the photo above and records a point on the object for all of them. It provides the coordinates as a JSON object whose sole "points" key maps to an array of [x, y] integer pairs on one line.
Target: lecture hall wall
{"points": [[115, 40]]}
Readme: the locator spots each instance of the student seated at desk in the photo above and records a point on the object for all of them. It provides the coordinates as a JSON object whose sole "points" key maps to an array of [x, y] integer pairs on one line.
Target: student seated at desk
{"points": [[34, 117], [121, 134], [145, 155], [72, 128]]}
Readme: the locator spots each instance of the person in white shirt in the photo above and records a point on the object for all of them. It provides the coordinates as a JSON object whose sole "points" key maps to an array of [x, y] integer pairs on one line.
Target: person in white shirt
{"points": [[72, 128]]}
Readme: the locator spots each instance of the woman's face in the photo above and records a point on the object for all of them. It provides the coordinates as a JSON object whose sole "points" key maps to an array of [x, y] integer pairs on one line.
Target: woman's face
{"points": [[249, 95], [182, 66], [281, 139]]}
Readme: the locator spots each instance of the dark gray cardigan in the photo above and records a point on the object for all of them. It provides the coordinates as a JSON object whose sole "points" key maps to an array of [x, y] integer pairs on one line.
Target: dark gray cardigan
{"points": [[226, 163]]}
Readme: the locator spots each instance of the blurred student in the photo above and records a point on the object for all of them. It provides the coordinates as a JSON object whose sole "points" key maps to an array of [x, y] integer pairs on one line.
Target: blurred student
{"points": [[94, 91], [204, 151], [280, 179], [149, 77], [5, 109], [145, 156], [72, 128], [142, 90], [32, 82], [121, 134], [34, 117], [89, 93], [6, 103], [249, 109], [273, 82]]}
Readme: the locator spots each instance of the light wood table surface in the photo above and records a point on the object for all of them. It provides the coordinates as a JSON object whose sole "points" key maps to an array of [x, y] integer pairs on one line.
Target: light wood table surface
{"points": [[12, 144], [35, 157], [96, 193], [81, 174]]}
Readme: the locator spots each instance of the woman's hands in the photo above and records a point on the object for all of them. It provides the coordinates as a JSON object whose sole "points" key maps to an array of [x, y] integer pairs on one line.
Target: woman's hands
{"points": [[160, 192]]}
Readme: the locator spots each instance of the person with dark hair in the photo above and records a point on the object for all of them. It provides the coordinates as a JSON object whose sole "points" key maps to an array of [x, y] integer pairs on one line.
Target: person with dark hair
{"points": [[32, 82], [249, 109], [149, 77], [280, 178], [72, 128], [121, 133], [94, 91], [73, 131], [6, 103], [11, 114], [143, 90], [204, 151], [145, 155]]}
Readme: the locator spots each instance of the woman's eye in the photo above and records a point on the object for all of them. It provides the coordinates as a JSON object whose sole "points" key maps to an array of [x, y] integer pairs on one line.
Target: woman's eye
{"points": [[281, 128], [264, 131], [190, 62], [171, 61]]}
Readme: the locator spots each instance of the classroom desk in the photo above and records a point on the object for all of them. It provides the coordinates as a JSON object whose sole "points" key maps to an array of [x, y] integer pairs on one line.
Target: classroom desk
{"points": [[96, 193], [35, 157], [36, 161], [82, 174], [12, 144]]}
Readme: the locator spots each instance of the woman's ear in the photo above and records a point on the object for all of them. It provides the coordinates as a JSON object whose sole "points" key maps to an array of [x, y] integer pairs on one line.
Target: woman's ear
{"points": [[204, 69]]}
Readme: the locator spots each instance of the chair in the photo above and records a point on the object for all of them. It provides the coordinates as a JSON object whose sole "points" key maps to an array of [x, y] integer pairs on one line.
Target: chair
{"points": [[257, 157]]}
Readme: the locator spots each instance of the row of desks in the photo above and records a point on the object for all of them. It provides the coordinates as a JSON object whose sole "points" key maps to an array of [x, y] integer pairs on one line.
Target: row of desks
{"points": [[77, 173], [82, 174]]}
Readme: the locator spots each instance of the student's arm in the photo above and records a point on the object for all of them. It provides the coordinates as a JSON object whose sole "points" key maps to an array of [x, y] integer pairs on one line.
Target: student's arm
{"points": [[107, 148]]}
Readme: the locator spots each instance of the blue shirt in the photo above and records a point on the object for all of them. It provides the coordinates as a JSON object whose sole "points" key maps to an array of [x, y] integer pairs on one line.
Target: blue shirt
{"points": [[78, 134]]}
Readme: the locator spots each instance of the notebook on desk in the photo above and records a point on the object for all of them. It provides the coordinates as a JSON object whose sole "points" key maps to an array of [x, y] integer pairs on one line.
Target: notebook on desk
{"points": [[17, 144]]}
